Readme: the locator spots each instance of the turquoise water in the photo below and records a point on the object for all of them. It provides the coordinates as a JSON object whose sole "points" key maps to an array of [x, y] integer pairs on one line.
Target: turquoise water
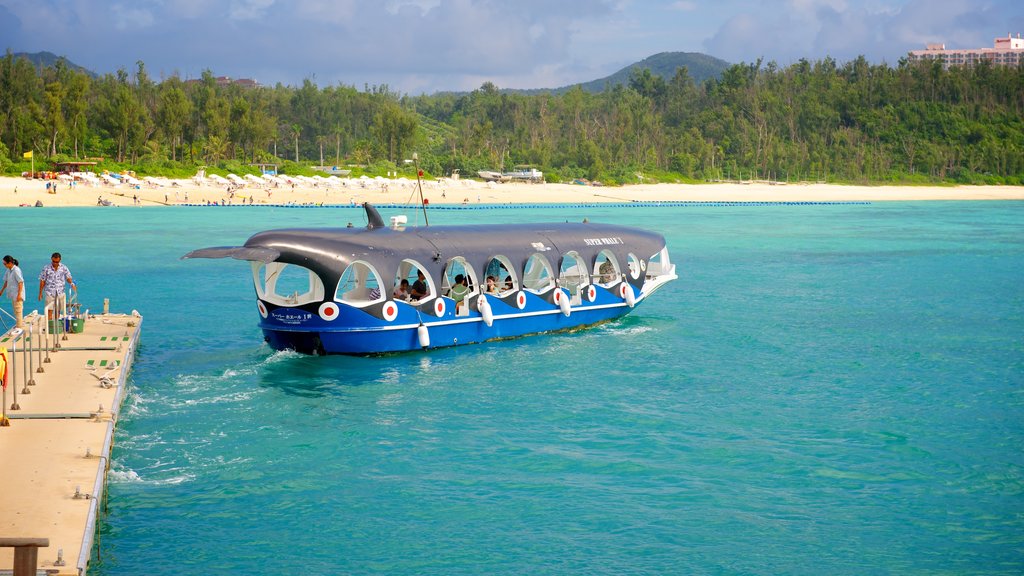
{"points": [[826, 390]]}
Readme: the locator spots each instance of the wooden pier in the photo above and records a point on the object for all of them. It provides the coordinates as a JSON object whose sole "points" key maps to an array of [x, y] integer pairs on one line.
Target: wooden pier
{"points": [[62, 399]]}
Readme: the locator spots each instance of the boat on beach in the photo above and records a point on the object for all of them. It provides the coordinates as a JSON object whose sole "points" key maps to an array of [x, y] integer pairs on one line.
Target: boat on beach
{"points": [[492, 176], [393, 288]]}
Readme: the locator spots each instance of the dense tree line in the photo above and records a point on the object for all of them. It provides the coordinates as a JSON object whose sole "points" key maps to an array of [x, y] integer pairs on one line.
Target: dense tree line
{"points": [[808, 121]]}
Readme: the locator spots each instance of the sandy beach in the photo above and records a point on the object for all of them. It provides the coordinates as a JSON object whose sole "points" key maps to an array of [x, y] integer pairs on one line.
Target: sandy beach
{"points": [[22, 192]]}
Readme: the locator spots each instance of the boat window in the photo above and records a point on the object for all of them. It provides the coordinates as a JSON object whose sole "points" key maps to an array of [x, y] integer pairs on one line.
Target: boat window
{"points": [[459, 283], [634, 266], [606, 269], [572, 275], [537, 276], [360, 285], [500, 268], [286, 284], [408, 270], [659, 263]]}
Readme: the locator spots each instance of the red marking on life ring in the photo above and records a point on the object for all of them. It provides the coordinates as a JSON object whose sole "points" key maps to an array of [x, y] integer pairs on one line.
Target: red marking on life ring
{"points": [[521, 300], [262, 309], [329, 311], [622, 290], [390, 311], [558, 295], [439, 307], [591, 293]]}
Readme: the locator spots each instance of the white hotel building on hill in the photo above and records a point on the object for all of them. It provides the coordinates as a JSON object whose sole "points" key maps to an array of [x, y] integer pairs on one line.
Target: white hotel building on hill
{"points": [[1008, 51]]}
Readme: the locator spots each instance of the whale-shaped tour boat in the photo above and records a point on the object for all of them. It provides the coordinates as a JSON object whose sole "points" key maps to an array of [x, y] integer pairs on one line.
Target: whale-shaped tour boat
{"points": [[388, 289]]}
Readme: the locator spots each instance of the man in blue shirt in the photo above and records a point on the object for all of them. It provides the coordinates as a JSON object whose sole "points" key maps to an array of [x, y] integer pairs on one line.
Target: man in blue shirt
{"points": [[52, 278]]}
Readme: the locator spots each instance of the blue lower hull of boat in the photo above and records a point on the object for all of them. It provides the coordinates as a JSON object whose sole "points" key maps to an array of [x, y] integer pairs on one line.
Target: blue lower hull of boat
{"points": [[359, 333]]}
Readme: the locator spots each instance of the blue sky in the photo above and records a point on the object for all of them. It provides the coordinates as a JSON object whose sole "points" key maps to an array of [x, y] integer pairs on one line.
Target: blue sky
{"points": [[423, 46]]}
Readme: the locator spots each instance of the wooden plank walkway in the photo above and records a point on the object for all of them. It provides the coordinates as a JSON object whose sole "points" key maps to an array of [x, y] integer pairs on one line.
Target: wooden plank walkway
{"points": [[56, 450]]}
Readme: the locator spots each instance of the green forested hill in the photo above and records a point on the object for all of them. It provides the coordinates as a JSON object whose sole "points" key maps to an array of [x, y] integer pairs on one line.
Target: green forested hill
{"points": [[821, 120], [701, 67], [49, 60]]}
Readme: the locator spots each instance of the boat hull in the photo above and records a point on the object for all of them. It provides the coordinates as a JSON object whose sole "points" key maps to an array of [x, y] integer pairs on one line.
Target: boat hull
{"points": [[358, 333]]}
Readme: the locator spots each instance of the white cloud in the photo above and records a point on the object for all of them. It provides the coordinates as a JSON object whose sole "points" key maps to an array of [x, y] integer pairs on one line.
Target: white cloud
{"points": [[683, 6], [188, 9], [249, 9], [131, 17]]}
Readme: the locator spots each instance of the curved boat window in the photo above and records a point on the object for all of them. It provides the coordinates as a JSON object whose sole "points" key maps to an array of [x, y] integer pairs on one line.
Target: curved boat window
{"points": [[459, 283], [499, 276], [286, 284], [659, 263], [572, 275], [606, 269], [360, 285], [537, 276], [634, 266], [408, 283]]}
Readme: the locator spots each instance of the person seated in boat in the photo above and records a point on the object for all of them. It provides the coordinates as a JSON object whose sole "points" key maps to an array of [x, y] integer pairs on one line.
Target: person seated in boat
{"points": [[419, 287], [607, 271], [508, 283], [402, 291], [459, 290], [492, 285]]}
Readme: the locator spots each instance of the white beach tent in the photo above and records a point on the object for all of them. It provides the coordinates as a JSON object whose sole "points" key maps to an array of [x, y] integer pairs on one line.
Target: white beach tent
{"points": [[86, 177]]}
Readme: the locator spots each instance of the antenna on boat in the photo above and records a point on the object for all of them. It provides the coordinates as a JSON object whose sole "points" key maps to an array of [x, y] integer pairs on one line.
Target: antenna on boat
{"points": [[419, 185]]}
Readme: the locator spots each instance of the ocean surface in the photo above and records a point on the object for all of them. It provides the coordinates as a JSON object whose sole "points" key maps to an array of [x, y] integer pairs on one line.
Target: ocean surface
{"points": [[827, 389]]}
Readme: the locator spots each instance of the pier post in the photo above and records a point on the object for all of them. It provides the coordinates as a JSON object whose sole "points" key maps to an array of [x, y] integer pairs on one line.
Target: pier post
{"points": [[28, 353], [48, 331], [26, 553], [24, 364], [42, 342], [12, 369]]}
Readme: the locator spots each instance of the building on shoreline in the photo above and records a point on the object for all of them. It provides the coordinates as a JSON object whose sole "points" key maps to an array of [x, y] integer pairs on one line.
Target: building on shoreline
{"points": [[1008, 51]]}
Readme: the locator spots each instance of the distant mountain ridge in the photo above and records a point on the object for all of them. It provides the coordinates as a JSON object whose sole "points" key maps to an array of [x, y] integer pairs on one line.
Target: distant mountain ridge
{"points": [[49, 59], [700, 66]]}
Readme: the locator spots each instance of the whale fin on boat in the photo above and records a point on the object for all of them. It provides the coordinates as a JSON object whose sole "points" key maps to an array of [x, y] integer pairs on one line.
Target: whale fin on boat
{"points": [[236, 252], [373, 217]]}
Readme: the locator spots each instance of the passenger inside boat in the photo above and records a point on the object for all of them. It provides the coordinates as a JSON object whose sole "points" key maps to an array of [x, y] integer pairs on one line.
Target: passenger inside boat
{"points": [[499, 267], [402, 291], [492, 285], [419, 287], [458, 292], [606, 271]]}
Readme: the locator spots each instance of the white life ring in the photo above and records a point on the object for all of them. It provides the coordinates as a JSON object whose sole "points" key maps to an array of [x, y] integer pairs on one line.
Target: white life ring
{"points": [[389, 311], [261, 308], [329, 311], [521, 300], [591, 293], [439, 307]]}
